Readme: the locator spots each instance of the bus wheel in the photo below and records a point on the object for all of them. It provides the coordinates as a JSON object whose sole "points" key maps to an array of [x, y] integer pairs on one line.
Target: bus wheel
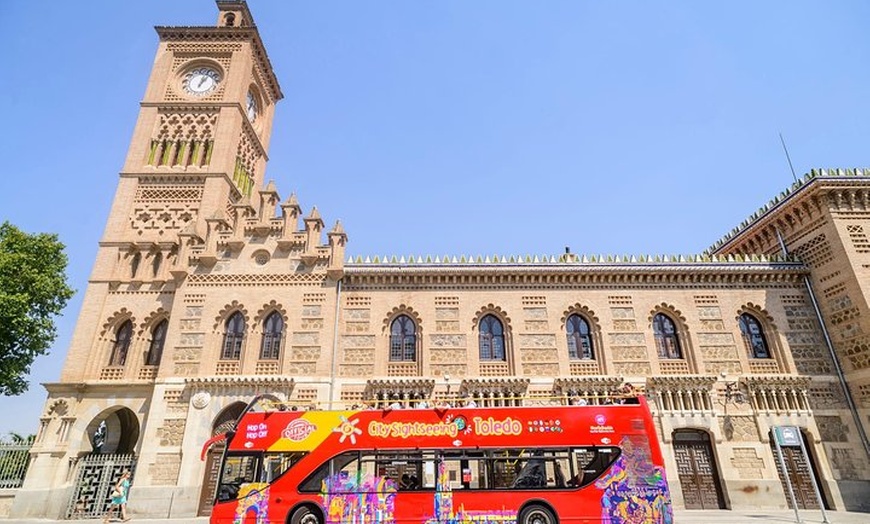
{"points": [[305, 515], [536, 514]]}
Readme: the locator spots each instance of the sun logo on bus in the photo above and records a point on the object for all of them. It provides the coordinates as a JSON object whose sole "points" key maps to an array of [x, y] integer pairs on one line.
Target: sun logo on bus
{"points": [[347, 429]]}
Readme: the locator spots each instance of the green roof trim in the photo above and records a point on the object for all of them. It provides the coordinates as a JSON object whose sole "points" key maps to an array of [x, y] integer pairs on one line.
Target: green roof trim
{"points": [[782, 197], [567, 260]]}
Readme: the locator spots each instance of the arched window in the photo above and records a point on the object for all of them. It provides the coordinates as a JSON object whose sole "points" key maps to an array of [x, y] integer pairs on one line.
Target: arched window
{"points": [[235, 333], [122, 344], [753, 336], [158, 338], [667, 341], [491, 339], [134, 264], [403, 340], [579, 338], [273, 333]]}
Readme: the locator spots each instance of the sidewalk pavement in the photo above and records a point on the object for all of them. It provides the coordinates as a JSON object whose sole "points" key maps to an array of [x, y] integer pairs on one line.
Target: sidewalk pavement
{"points": [[680, 517]]}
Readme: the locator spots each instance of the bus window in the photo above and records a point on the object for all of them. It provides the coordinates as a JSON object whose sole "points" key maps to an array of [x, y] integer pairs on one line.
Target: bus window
{"points": [[407, 469], [530, 468], [276, 464], [465, 470], [346, 465], [592, 463], [237, 470], [533, 474]]}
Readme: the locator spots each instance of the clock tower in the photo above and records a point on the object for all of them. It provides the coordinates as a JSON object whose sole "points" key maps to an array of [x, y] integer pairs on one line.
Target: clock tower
{"points": [[194, 172], [194, 169]]}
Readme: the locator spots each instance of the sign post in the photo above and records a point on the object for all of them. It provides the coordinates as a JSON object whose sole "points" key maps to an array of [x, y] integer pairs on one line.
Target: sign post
{"points": [[787, 436], [813, 478]]}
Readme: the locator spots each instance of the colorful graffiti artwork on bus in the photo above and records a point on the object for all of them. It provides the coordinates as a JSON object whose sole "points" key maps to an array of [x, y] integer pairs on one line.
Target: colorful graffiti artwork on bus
{"points": [[634, 490], [253, 504], [361, 499], [444, 513]]}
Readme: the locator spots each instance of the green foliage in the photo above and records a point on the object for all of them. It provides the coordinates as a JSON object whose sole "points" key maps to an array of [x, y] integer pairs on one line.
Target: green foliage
{"points": [[33, 289]]}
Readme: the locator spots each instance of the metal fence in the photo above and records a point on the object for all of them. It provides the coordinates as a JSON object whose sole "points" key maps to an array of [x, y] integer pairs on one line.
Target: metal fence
{"points": [[14, 459]]}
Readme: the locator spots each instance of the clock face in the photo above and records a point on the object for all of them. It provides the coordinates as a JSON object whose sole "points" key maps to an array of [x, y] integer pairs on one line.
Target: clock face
{"points": [[201, 81], [251, 106]]}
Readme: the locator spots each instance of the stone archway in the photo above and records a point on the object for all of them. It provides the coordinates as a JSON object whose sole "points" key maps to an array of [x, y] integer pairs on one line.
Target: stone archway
{"points": [[112, 437], [122, 432], [222, 423]]}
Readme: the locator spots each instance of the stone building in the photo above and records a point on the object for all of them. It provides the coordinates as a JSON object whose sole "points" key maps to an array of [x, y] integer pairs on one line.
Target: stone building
{"points": [[208, 288]]}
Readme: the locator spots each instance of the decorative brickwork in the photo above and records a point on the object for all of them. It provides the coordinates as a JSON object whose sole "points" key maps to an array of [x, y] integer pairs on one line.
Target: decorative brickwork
{"points": [[540, 369], [625, 325], [538, 313], [357, 314], [171, 433], [358, 301], [311, 311], [622, 312], [816, 252], [860, 242], [447, 341], [444, 356], [709, 313], [832, 429], [356, 370], [357, 341], [857, 352], [308, 369], [359, 356], [739, 428], [536, 341], [535, 326], [637, 369], [747, 463], [827, 396]]}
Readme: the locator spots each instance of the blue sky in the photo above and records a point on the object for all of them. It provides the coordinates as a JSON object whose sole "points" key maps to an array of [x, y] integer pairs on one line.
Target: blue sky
{"points": [[455, 127]]}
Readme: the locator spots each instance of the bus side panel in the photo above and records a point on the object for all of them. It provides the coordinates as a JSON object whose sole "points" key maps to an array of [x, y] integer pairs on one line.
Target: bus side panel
{"points": [[635, 489]]}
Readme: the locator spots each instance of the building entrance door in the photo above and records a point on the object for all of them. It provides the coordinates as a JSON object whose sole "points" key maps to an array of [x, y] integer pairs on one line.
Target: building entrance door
{"points": [[209, 482], [696, 468], [799, 471]]}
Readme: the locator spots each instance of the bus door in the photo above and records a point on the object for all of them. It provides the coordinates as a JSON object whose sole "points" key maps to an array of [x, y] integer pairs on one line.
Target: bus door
{"points": [[461, 477], [414, 475]]}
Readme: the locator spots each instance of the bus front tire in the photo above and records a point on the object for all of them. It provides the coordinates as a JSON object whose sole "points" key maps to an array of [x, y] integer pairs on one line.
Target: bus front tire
{"points": [[536, 514], [305, 515]]}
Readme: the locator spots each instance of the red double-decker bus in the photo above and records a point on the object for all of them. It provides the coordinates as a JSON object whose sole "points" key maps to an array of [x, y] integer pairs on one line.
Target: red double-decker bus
{"points": [[529, 465]]}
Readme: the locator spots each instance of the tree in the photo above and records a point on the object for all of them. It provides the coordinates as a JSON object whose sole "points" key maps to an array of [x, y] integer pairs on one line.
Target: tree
{"points": [[33, 289]]}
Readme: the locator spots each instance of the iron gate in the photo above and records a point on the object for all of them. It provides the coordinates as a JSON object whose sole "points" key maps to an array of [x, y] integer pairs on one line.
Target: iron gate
{"points": [[96, 475]]}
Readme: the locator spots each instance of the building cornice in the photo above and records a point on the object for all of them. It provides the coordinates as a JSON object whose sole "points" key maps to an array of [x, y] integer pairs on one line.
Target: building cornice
{"points": [[573, 275], [790, 206], [235, 381]]}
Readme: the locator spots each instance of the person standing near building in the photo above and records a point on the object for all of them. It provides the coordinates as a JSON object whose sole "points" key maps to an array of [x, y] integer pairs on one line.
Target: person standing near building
{"points": [[119, 498]]}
